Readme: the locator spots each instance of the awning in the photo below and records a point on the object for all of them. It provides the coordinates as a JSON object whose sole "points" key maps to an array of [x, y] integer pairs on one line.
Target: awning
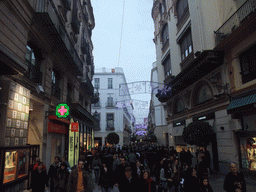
{"points": [[241, 102], [53, 117]]}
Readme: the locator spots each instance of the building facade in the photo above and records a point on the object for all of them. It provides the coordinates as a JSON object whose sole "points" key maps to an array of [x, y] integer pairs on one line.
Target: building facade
{"points": [[114, 110], [157, 123], [206, 70], [46, 60]]}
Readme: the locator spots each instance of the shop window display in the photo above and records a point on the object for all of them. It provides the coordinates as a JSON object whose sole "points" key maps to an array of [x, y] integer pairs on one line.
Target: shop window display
{"points": [[248, 153], [10, 166]]}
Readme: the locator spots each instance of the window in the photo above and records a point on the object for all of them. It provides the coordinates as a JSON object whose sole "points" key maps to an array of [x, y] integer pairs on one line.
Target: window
{"points": [[97, 83], [110, 101], [110, 121], [110, 83], [179, 106], [165, 35], [204, 94], [33, 62], [56, 91], [248, 64], [186, 46], [182, 8], [167, 66]]}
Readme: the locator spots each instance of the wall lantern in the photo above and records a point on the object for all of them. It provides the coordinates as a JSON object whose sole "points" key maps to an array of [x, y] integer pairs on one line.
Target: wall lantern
{"points": [[62, 110]]}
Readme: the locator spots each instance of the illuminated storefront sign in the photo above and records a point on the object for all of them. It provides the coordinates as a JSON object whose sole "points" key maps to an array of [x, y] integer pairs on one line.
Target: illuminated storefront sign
{"points": [[74, 127], [62, 110]]}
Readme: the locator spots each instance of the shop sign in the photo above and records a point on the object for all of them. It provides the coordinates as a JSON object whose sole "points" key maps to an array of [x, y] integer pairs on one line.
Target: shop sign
{"points": [[62, 110], [74, 127], [57, 128]]}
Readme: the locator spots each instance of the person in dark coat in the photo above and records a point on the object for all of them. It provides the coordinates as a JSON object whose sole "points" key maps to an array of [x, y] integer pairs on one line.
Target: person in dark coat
{"points": [[234, 180], [148, 184], [39, 180], [129, 183], [106, 178], [202, 170], [176, 175], [62, 177], [120, 169], [79, 180], [52, 174], [191, 182], [205, 186]]}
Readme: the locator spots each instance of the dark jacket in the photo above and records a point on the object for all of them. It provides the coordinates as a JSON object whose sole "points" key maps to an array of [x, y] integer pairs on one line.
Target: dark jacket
{"points": [[119, 172], [191, 184], [106, 177], [207, 188], [129, 186], [39, 181], [72, 181], [231, 181], [146, 184], [62, 179], [53, 175]]}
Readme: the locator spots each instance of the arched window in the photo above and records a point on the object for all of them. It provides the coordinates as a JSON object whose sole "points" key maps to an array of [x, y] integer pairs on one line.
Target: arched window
{"points": [[204, 94], [182, 7], [179, 106]]}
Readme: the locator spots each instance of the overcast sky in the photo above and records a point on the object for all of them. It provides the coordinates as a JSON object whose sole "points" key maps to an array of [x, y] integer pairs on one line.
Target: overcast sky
{"points": [[137, 48]]}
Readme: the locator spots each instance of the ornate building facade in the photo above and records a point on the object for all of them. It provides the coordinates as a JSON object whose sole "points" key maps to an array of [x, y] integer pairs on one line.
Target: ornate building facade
{"points": [[198, 60]]}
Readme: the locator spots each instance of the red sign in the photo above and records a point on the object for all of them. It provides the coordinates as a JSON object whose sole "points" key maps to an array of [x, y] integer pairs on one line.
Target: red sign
{"points": [[57, 128], [74, 127]]}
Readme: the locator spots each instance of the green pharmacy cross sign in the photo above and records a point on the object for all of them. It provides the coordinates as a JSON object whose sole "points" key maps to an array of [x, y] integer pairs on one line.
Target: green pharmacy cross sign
{"points": [[62, 110]]}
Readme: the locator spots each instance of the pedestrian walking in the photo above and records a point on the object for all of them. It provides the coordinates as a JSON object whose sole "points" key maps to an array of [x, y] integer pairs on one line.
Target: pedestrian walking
{"points": [[234, 180], [64, 159], [96, 164], [129, 183], [79, 180], [148, 184], [120, 170], [116, 162], [138, 169], [39, 180], [106, 181], [202, 169], [176, 175], [205, 186], [36, 165], [166, 181], [62, 178], [191, 182], [53, 174]]}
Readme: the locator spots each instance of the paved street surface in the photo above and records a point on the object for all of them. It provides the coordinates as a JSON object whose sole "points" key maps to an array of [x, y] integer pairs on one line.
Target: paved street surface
{"points": [[215, 180]]}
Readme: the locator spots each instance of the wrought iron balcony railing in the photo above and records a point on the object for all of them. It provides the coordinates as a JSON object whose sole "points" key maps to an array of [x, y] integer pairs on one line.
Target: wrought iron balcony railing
{"points": [[110, 104], [235, 20], [46, 14]]}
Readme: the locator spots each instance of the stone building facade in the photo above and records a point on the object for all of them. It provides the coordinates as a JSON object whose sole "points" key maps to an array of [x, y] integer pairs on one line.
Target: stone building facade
{"points": [[198, 60], [46, 59]]}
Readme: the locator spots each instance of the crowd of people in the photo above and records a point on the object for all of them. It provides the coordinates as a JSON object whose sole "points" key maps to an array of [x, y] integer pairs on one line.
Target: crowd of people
{"points": [[134, 169]]}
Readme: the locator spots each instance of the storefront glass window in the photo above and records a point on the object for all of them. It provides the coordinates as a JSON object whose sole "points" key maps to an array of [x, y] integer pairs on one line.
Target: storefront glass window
{"points": [[23, 163], [248, 153], [10, 166]]}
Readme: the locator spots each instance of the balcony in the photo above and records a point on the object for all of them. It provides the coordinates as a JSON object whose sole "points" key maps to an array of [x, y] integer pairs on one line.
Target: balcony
{"points": [[97, 105], [86, 86], [110, 128], [34, 74], [236, 21], [75, 23], [110, 105], [53, 29]]}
